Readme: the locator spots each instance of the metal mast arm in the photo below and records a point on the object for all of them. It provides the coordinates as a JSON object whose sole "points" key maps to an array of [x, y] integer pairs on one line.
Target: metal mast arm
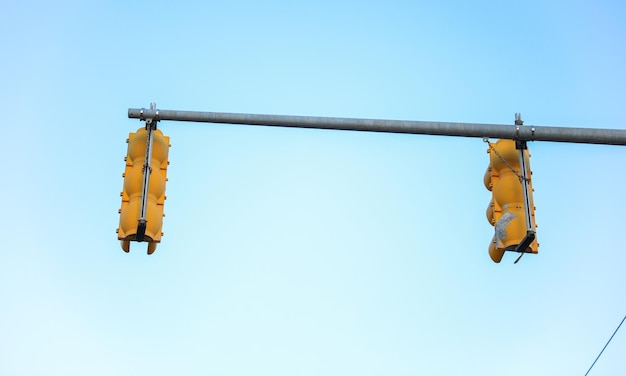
{"points": [[528, 133]]}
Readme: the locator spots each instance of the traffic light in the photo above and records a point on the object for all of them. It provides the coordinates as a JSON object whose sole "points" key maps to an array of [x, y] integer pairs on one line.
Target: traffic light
{"points": [[143, 196], [511, 210]]}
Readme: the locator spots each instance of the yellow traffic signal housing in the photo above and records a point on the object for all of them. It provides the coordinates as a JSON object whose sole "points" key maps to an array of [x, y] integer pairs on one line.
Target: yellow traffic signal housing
{"points": [[511, 210], [143, 197]]}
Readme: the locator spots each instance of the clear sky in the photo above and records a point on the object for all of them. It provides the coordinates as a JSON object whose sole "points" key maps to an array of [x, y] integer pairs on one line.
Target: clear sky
{"points": [[308, 252]]}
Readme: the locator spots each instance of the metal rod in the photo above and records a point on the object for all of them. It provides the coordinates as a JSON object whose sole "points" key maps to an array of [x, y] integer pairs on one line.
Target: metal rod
{"points": [[525, 176], [145, 186], [526, 190], [523, 133], [147, 170]]}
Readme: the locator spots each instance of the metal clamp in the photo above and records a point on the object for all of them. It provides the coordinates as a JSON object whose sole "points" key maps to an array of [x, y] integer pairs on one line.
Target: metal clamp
{"points": [[151, 121]]}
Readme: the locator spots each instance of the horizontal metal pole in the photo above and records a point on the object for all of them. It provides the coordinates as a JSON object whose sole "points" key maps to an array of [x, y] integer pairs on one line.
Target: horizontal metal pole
{"points": [[512, 132]]}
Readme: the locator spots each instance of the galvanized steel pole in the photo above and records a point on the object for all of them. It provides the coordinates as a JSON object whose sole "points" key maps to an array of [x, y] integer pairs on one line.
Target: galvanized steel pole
{"points": [[512, 132]]}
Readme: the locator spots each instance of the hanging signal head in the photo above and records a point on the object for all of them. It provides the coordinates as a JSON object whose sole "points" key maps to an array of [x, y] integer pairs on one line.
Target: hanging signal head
{"points": [[511, 210], [143, 195]]}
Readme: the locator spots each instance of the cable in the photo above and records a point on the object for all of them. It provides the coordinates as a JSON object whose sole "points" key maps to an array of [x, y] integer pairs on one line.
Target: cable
{"points": [[594, 362]]}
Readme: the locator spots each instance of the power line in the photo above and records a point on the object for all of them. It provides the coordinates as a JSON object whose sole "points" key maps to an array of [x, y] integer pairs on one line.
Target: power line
{"points": [[594, 362]]}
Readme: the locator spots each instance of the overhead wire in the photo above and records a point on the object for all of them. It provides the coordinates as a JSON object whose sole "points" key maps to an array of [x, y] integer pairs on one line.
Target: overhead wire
{"points": [[598, 357]]}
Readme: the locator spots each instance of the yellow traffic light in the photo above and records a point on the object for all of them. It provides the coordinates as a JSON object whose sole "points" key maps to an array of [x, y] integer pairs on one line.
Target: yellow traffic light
{"points": [[511, 210], [143, 196]]}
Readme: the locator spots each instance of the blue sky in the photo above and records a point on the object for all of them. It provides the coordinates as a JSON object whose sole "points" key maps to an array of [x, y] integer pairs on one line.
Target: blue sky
{"points": [[308, 252]]}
